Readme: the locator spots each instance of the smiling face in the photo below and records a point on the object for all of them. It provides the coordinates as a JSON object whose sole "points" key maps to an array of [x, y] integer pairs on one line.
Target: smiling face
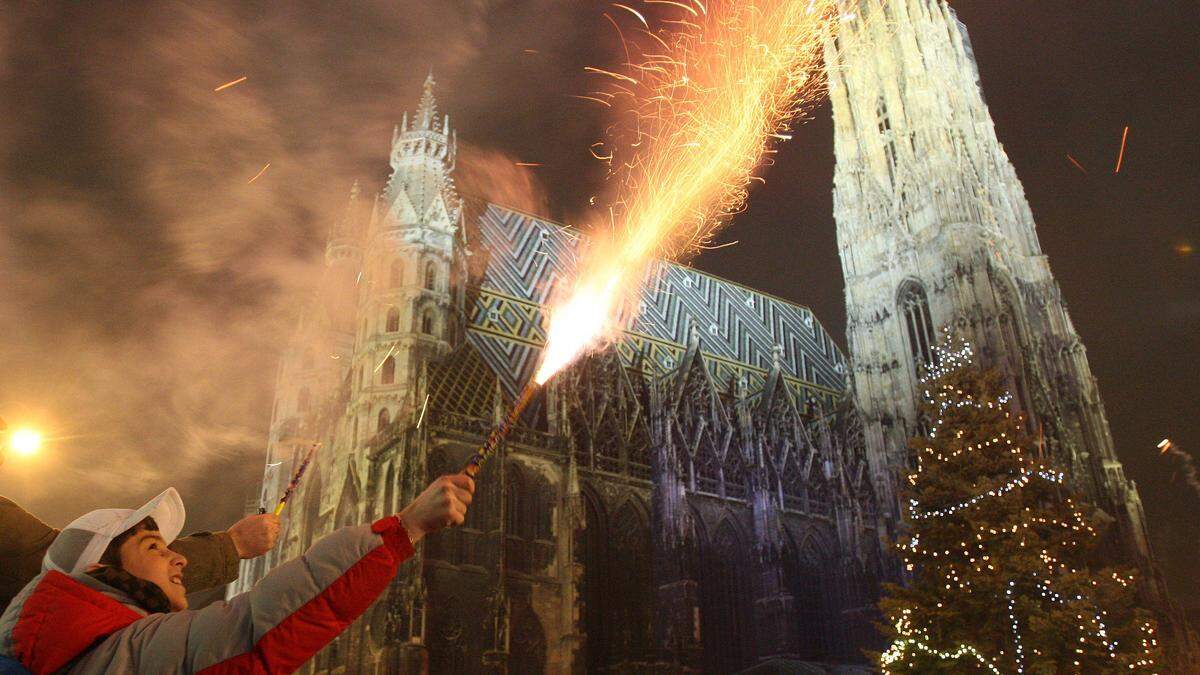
{"points": [[145, 555]]}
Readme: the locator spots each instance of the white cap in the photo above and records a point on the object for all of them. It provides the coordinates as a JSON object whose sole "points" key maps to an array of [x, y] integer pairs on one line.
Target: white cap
{"points": [[83, 541]]}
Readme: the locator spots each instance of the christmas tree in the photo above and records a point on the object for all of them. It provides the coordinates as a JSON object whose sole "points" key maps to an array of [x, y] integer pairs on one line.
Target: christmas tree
{"points": [[997, 550]]}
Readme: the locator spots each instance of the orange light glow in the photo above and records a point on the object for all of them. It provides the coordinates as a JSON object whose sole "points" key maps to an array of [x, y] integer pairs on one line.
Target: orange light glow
{"points": [[25, 442], [697, 113]]}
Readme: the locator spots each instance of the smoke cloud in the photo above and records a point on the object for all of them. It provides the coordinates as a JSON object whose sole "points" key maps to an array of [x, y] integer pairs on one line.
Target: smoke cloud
{"points": [[148, 286]]}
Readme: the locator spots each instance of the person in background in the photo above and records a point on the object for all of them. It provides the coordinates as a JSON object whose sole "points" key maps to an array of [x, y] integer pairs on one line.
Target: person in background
{"points": [[212, 556], [112, 597]]}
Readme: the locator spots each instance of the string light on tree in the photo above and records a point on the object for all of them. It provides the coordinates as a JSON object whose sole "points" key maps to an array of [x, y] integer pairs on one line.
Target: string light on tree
{"points": [[997, 549]]}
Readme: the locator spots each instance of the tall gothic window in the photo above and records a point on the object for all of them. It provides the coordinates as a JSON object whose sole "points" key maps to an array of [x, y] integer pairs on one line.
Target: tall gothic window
{"points": [[808, 581], [389, 371], [430, 276], [889, 139], [631, 616], [427, 323], [397, 274], [918, 326], [726, 628], [384, 419], [393, 320]]}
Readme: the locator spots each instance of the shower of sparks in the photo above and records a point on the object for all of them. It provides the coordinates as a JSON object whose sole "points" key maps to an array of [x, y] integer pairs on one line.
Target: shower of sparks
{"points": [[1121, 155], [259, 174], [528, 163], [698, 109], [230, 84]]}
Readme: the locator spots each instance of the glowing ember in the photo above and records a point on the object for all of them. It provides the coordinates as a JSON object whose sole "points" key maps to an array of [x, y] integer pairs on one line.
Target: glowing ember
{"points": [[259, 174], [698, 108], [230, 84], [1121, 156]]}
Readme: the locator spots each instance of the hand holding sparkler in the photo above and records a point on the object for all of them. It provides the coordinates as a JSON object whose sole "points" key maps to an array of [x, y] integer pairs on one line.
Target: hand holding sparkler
{"points": [[254, 535]]}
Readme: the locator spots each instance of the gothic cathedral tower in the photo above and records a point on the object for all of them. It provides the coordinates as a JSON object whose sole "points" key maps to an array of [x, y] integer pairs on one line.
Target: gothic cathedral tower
{"points": [[411, 279], [934, 231]]}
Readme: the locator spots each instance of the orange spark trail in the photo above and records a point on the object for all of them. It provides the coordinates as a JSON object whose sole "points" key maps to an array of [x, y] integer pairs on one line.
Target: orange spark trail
{"points": [[259, 174], [1077, 164], [694, 121], [230, 84], [1121, 156]]}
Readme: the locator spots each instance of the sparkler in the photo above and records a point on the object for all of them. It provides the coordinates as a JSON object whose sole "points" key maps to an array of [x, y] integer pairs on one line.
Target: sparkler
{"points": [[698, 107], [295, 481]]}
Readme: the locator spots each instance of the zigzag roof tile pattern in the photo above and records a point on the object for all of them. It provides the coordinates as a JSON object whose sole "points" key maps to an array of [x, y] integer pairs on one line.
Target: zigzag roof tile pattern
{"points": [[737, 327]]}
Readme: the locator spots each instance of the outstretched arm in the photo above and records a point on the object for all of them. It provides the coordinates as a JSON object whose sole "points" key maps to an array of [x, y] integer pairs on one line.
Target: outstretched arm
{"points": [[302, 605], [213, 556]]}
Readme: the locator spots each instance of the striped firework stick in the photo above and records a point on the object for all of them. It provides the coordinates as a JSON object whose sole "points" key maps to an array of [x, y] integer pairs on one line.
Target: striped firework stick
{"points": [[475, 464], [295, 482]]}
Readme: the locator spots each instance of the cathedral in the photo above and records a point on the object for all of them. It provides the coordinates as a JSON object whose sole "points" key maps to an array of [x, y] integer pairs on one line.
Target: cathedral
{"points": [[716, 491]]}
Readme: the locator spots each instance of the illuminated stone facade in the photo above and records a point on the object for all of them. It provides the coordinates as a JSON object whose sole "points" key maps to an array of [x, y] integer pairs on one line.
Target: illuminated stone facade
{"points": [[694, 498], [934, 232]]}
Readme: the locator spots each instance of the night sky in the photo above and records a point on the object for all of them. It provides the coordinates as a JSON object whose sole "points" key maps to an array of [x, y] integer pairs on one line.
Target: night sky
{"points": [[147, 288]]}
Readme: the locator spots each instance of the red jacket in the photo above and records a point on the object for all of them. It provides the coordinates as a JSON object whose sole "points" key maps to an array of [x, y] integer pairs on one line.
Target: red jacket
{"points": [[78, 624]]}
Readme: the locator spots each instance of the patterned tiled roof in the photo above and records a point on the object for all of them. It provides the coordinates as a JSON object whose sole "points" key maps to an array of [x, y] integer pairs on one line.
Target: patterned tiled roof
{"points": [[737, 327]]}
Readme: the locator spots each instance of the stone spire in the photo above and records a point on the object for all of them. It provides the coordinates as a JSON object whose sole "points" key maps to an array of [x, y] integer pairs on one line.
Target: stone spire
{"points": [[421, 189], [426, 117]]}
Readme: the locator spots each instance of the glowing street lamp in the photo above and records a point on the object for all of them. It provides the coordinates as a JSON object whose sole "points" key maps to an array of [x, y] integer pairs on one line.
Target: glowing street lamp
{"points": [[25, 442]]}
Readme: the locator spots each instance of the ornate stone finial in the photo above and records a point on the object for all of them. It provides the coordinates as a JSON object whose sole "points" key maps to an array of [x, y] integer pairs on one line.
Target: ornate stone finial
{"points": [[355, 191], [693, 335], [425, 118], [777, 357]]}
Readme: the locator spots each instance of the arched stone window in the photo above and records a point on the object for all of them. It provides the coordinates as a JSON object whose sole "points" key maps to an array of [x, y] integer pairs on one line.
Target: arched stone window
{"points": [[889, 140], [393, 320], [389, 492], [388, 376], [918, 326], [396, 277], [593, 551], [304, 400], [384, 419], [427, 322], [527, 649], [805, 571], [430, 276], [726, 628], [631, 616], [312, 507]]}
